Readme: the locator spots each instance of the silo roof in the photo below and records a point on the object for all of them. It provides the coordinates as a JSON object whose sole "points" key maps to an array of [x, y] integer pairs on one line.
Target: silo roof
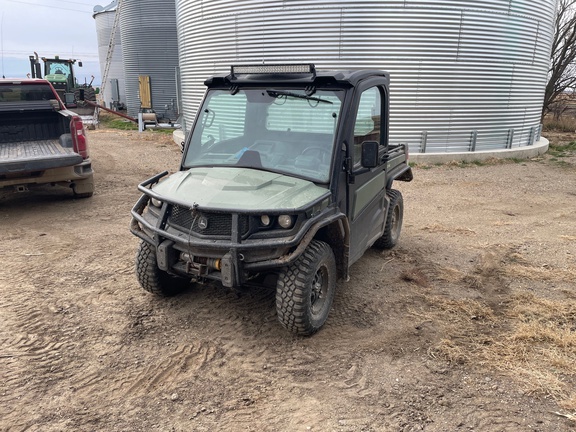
{"points": [[109, 8]]}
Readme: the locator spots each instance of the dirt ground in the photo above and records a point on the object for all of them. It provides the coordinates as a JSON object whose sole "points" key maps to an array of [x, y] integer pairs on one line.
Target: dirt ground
{"points": [[410, 343]]}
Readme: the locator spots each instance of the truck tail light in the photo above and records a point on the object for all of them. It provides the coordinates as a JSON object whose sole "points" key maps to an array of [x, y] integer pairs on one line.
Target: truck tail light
{"points": [[79, 137]]}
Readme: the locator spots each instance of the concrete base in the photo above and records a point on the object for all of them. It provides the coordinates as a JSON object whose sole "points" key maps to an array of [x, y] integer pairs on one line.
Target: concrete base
{"points": [[178, 136], [538, 148]]}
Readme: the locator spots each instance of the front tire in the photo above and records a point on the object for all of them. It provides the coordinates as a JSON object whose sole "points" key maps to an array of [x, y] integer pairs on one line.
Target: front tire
{"points": [[305, 290], [151, 278], [394, 220]]}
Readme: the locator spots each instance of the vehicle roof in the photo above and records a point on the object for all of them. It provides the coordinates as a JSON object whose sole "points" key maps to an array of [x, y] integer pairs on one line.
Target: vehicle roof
{"points": [[23, 81], [344, 78]]}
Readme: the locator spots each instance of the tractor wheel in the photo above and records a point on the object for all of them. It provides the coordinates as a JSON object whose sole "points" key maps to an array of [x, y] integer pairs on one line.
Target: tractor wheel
{"points": [[394, 219], [154, 280], [306, 288], [89, 94]]}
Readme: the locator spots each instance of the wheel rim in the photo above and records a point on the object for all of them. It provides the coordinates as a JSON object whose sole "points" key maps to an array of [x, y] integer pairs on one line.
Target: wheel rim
{"points": [[319, 290], [395, 223]]}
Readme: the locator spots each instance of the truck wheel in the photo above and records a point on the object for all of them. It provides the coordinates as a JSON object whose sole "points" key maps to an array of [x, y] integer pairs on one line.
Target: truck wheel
{"points": [[305, 290], [393, 221], [151, 278], [83, 188]]}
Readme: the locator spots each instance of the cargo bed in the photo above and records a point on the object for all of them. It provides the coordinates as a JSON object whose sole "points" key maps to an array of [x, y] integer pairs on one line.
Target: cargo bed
{"points": [[35, 156]]}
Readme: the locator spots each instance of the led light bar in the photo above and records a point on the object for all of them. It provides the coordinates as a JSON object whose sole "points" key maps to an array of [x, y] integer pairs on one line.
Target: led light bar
{"points": [[274, 69]]}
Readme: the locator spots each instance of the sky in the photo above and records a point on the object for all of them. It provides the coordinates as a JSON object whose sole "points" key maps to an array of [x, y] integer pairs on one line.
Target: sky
{"points": [[49, 27]]}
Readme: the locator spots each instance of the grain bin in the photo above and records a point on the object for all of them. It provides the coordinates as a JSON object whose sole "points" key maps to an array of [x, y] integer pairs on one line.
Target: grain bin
{"points": [[465, 76], [150, 48], [114, 92]]}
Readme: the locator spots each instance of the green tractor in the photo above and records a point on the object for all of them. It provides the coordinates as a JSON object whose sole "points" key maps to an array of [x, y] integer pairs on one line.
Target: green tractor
{"points": [[60, 73]]}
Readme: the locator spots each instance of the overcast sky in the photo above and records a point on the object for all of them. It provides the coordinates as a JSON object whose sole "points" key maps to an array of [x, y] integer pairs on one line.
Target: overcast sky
{"points": [[49, 27]]}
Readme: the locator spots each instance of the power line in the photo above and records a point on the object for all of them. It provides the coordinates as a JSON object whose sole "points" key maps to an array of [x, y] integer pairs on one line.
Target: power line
{"points": [[90, 3], [51, 7], [63, 54]]}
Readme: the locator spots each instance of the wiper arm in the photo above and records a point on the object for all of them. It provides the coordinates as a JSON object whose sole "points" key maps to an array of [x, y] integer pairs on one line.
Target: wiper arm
{"points": [[277, 93]]}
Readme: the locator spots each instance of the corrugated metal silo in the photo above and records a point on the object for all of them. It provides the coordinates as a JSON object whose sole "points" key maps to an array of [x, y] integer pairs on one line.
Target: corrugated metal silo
{"points": [[150, 47], [114, 91], [465, 76]]}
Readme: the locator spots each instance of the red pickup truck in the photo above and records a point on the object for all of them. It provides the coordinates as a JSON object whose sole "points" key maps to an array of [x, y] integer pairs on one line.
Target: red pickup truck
{"points": [[41, 142]]}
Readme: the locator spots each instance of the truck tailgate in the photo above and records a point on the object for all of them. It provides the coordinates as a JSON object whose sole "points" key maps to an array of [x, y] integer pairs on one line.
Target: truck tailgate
{"points": [[22, 157]]}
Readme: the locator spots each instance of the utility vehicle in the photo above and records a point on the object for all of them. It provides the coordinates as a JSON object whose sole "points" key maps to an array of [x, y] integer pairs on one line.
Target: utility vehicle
{"points": [[287, 174]]}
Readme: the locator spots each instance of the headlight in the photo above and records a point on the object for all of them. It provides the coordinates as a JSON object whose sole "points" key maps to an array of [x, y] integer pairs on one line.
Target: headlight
{"points": [[265, 220], [155, 202], [285, 221]]}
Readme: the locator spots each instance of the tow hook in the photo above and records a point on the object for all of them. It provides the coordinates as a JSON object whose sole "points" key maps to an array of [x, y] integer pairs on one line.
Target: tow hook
{"points": [[21, 188]]}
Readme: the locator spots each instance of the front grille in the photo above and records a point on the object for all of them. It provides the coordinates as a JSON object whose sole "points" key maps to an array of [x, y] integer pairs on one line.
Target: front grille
{"points": [[207, 223]]}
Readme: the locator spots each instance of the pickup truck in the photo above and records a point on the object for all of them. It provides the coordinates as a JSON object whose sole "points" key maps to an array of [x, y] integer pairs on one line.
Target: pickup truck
{"points": [[41, 142], [286, 180]]}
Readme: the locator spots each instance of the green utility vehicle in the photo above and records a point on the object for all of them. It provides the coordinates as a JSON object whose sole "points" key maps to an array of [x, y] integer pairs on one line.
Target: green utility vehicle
{"points": [[286, 178]]}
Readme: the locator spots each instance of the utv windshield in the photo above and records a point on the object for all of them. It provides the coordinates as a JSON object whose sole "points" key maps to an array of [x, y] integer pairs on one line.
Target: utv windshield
{"points": [[284, 131]]}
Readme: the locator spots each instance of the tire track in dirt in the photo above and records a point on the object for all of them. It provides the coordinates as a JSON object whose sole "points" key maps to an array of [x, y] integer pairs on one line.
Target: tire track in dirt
{"points": [[223, 359], [90, 350], [32, 358]]}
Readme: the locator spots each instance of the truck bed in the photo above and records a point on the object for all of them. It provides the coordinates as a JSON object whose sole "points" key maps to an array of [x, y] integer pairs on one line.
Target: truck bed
{"points": [[32, 126], [34, 141], [30, 156]]}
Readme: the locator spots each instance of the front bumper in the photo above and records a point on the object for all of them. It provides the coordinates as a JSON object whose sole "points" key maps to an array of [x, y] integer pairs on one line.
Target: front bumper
{"points": [[232, 258]]}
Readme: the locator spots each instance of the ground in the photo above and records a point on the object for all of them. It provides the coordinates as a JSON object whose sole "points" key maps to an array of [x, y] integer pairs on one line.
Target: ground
{"points": [[468, 325]]}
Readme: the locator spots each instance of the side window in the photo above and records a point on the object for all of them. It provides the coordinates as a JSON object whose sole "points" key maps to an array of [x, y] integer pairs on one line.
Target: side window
{"points": [[368, 120]]}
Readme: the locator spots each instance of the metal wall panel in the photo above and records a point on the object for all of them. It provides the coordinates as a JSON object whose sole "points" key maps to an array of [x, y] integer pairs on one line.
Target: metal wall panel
{"points": [[150, 47], [104, 24], [465, 76]]}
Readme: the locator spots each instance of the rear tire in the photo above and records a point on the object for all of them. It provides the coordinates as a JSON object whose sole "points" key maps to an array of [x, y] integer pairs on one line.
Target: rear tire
{"points": [[394, 220], [89, 94], [305, 290], [154, 280], [83, 188]]}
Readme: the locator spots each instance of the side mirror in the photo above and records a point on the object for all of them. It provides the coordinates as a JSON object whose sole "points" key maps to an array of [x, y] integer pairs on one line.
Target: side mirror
{"points": [[79, 64], [370, 154]]}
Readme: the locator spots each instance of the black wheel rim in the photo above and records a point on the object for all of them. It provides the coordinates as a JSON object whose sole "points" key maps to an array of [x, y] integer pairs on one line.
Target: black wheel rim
{"points": [[319, 290]]}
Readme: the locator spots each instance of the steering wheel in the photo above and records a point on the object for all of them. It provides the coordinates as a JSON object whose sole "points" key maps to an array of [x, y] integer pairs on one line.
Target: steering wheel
{"points": [[321, 152]]}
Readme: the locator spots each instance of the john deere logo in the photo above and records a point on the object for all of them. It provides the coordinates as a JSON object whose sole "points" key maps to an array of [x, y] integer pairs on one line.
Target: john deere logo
{"points": [[203, 223]]}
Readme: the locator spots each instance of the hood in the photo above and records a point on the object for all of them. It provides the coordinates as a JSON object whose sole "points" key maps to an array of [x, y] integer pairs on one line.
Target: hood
{"points": [[238, 188]]}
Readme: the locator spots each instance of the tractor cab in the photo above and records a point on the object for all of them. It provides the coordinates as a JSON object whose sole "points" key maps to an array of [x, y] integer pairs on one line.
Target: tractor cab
{"points": [[61, 74]]}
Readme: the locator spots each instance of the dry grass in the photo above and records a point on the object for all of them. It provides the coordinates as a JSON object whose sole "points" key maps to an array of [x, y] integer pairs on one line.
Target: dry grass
{"points": [[440, 228], [532, 340], [519, 316], [566, 123], [546, 274], [529, 338]]}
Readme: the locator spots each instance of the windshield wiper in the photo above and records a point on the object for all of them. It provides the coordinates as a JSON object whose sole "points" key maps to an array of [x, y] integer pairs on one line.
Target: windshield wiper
{"points": [[277, 93]]}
